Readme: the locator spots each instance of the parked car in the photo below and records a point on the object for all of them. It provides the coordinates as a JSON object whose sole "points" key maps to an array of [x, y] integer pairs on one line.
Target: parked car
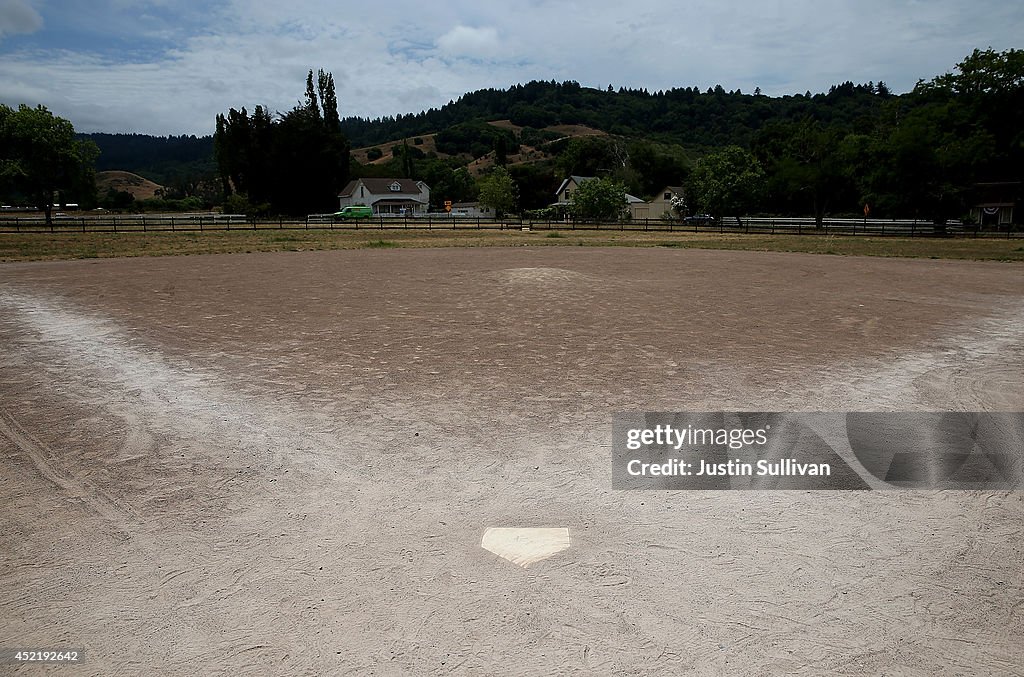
{"points": [[699, 219], [355, 212]]}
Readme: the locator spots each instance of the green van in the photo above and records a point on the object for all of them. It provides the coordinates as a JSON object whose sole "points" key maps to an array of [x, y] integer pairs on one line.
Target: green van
{"points": [[355, 212]]}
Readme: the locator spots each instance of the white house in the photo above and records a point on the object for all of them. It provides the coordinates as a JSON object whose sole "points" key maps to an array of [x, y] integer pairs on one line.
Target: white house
{"points": [[638, 209], [661, 203], [386, 196]]}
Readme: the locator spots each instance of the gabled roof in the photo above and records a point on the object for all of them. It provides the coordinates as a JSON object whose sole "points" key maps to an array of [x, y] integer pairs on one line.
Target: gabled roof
{"points": [[382, 186], [580, 180]]}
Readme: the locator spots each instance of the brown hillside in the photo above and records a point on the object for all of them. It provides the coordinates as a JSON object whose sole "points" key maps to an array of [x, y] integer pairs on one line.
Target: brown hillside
{"points": [[428, 145], [142, 188], [479, 166]]}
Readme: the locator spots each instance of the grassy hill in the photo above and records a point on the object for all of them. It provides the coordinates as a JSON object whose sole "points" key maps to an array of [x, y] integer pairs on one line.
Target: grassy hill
{"points": [[140, 187]]}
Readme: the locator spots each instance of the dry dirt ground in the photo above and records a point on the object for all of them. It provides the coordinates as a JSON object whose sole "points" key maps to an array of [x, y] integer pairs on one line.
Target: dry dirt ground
{"points": [[285, 463]]}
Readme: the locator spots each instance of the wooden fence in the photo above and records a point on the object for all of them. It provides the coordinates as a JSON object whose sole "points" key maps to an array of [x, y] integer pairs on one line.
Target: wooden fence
{"points": [[130, 223]]}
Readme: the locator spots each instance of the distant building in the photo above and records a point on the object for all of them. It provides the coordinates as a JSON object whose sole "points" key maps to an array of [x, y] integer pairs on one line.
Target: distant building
{"points": [[994, 203], [473, 210], [638, 209], [661, 203], [386, 196]]}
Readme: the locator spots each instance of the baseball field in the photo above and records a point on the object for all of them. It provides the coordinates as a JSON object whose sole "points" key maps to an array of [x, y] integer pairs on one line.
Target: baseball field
{"points": [[285, 462]]}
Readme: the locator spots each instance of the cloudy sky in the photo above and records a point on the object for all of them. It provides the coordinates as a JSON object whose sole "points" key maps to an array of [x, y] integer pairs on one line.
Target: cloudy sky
{"points": [[169, 66]]}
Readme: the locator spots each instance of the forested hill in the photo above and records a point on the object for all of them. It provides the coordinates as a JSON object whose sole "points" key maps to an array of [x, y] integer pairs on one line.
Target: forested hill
{"points": [[923, 153], [686, 116], [158, 158]]}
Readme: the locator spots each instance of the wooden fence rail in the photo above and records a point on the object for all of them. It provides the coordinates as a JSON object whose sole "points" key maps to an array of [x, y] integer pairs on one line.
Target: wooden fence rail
{"points": [[131, 223]]}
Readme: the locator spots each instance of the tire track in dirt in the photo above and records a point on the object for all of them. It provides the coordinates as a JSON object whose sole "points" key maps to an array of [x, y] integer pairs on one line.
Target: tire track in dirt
{"points": [[158, 399], [177, 444], [49, 466], [965, 370]]}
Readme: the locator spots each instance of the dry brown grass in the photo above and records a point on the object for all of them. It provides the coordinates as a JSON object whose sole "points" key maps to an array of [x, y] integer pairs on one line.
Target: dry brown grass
{"points": [[141, 187], [52, 246]]}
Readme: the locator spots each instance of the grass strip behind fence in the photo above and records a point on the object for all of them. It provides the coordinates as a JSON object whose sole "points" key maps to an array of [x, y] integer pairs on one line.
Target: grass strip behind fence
{"points": [[55, 246]]}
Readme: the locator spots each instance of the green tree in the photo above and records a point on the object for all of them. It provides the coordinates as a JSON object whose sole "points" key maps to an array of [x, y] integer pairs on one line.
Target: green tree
{"points": [[586, 155], [603, 198], [931, 160], [448, 182], [297, 163], [498, 191], [983, 72], [806, 165], [728, 180], [40, 157]]}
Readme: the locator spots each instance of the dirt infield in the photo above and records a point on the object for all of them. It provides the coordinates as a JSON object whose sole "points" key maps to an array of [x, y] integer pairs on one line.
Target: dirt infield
{"points": [[284, 463]]}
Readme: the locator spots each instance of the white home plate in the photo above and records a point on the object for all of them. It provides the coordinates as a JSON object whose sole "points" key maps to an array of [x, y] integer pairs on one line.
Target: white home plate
{"points": [[525, 546]]}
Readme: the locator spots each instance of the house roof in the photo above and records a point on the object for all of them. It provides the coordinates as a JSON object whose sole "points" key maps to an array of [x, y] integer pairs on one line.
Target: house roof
{"points": [[1003, 193], [382, 186], [580, 180], [400, 201]]}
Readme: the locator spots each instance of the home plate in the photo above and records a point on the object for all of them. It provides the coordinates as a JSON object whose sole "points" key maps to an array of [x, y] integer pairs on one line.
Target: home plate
{"points": [[525, 546]]}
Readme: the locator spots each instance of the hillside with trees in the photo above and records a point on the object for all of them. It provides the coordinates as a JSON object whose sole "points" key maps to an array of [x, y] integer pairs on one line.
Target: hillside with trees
{"points": [[921, 154]]}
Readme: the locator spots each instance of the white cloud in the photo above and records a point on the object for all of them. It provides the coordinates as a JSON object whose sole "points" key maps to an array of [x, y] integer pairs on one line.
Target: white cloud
{"points": [[470, 42], [248, 52], [18, 16]]}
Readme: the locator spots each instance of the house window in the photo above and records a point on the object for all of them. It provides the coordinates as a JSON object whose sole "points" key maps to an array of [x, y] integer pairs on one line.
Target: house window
{"points": [[568, 192], [362, 191], [668, 196], [396, 187]]}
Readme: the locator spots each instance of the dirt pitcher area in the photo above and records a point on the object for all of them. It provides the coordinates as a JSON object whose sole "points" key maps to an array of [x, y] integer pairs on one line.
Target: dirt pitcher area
{"points": [[286, 463]]}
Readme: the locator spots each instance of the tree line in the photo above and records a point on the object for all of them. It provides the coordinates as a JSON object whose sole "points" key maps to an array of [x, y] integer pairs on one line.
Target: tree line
{"points": [[294, 163], [917, 154]]}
